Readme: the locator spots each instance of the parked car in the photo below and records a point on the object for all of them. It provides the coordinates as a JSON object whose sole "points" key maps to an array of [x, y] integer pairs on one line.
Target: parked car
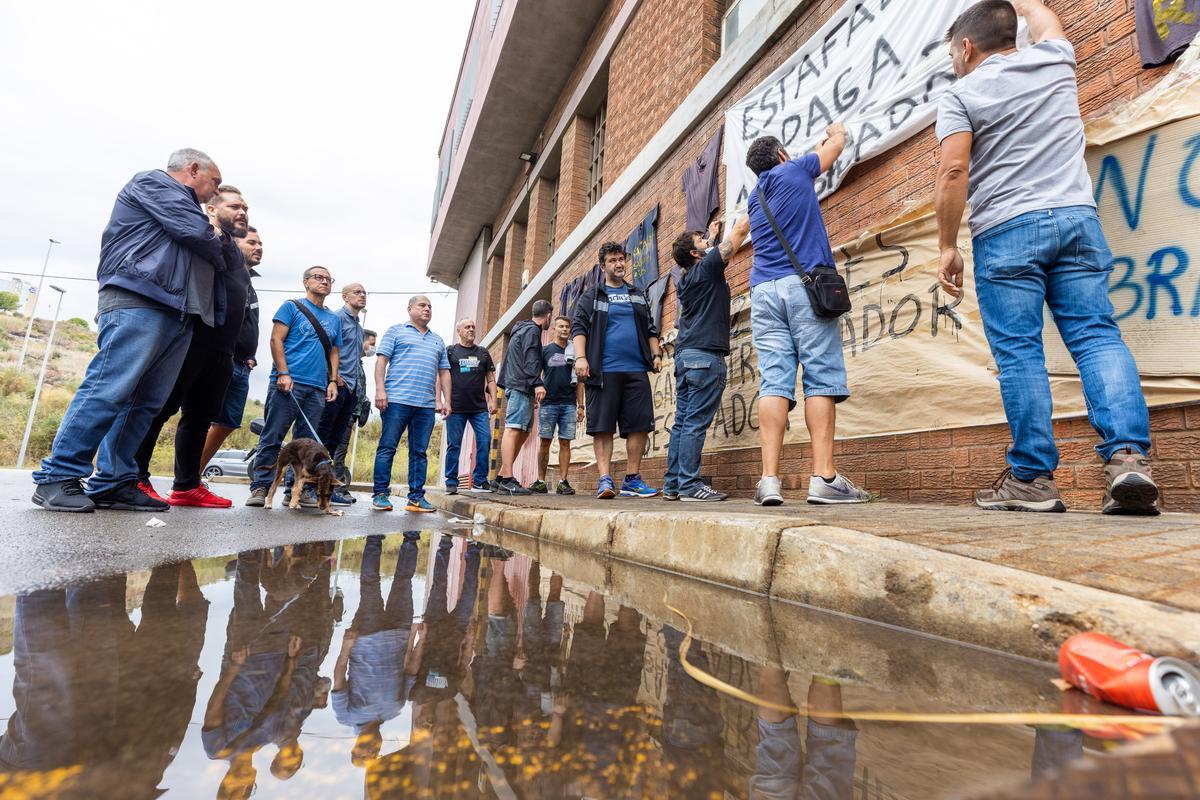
{"points": [[229, 462]]}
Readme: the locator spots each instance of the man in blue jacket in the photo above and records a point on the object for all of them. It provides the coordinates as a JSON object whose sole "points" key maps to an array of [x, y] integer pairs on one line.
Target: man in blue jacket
{"points": [[151, 289]]}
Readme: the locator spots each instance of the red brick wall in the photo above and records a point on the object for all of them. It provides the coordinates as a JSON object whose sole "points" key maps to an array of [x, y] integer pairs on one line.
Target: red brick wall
{"points": [[927, 467]]}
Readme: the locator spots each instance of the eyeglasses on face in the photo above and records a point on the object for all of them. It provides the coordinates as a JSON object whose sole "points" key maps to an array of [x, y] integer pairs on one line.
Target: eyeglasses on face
{"points": [[321, 279]]}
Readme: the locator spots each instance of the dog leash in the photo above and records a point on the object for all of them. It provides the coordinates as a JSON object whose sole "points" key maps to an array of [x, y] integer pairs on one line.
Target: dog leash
{"points": [[304, 417]]}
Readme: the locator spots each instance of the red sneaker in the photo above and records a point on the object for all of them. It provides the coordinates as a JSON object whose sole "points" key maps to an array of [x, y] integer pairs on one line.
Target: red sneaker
{"points": [[148, 489], [199, 498]]}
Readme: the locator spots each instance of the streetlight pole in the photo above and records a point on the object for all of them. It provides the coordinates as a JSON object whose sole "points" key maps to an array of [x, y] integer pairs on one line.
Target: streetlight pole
{"points": [[36, 299], [37, 392]]}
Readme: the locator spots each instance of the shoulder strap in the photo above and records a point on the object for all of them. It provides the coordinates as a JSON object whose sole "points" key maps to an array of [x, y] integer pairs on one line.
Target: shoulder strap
{"points": [[762, 201], [326, 345]]}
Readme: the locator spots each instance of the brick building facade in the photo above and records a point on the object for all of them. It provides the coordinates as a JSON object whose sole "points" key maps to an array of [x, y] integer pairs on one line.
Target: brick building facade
{"points": [[647, 91]]}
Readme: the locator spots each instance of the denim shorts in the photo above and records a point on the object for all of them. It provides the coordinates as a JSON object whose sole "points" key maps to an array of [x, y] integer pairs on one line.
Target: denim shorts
{"points": [[234, 405], [789, 336], [518, 410], [556, 415]]}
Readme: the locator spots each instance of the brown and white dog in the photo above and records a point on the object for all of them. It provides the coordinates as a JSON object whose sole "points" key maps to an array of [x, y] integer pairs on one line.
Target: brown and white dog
{"points": [[309, 459]]}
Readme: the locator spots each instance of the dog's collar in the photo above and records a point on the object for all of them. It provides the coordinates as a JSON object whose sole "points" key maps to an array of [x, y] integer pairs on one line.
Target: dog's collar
{"points": [[323, 463]]}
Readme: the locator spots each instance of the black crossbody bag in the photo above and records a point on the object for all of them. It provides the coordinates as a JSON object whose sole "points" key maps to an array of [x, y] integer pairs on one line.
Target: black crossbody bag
{"points": [[326, 345], [826, 289]]}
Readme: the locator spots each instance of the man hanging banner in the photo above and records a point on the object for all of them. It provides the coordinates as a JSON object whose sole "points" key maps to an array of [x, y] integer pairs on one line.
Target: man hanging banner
{"points": [[642, 246], [879, 67]]}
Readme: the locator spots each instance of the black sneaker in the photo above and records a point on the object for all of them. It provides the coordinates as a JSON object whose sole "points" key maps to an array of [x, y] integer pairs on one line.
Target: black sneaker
{"points": [[564, 488], [670, 495], [539, 487], [129, 498], [509, 486], [451, 488], [63, 496], [703, 494], [484, 487]]}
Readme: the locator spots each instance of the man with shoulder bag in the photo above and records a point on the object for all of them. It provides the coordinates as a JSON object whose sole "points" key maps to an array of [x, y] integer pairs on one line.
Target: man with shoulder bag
{"points": [[796, 297]]}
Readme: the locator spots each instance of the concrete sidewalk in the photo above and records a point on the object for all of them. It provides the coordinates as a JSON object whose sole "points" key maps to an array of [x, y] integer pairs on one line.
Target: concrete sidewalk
{"points": [[1018, 582]]}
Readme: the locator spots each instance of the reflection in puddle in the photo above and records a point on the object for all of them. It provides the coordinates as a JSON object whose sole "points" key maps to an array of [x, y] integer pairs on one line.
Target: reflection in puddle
{"points": [[436, 667]]}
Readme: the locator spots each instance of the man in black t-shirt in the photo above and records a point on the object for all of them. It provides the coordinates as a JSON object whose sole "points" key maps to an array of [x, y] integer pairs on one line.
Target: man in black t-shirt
{"points": [[561, 408], [700, 352], [472, 400]]}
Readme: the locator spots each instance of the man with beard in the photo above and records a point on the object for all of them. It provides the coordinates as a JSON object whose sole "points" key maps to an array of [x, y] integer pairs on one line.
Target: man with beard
{"points": [[244, 355], [205, 373], [145, 317]]}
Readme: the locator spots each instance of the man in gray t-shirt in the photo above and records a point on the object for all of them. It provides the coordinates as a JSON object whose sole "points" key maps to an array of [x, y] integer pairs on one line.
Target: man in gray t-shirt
{"points": [[1012, 143]]}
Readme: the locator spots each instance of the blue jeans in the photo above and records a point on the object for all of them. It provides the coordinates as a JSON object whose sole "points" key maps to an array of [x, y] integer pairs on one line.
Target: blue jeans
{"points": [[397, 418], [699, 382], [456, 423], [281, 413], [127, 383], [1057, 258]]}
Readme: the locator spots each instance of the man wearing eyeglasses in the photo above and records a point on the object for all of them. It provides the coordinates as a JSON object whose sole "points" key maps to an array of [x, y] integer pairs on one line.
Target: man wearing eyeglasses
{"points": [[336, 419], [303, 378]]}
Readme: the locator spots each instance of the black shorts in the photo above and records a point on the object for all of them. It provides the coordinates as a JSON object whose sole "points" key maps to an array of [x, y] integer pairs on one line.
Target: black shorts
{"points": [[624, 399]]}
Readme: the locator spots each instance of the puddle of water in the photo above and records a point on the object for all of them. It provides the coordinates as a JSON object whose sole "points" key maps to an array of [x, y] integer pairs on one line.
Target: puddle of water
{"points": [[429, 666]]}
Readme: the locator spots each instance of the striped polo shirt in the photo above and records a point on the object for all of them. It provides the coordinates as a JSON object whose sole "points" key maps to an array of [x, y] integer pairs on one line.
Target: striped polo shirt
{"points": [[414, 359]]}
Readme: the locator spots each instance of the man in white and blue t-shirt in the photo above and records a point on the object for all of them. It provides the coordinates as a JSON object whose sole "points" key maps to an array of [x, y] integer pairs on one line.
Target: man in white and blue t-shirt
{"points": [[412, 383], [303, 377]]}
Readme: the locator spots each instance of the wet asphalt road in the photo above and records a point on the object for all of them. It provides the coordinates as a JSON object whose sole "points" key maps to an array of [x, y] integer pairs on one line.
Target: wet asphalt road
{"points": [[42, 548]]}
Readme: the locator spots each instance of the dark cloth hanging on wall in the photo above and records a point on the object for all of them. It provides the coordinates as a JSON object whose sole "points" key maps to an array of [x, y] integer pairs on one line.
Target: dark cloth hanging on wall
{"points": [[700, 185], [642, 247], [1165, 28], [655, 293]]}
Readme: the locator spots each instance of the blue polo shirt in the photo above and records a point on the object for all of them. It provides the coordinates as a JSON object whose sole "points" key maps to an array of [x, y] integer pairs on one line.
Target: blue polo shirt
{"points": [[791, 193], [350, 351], [302, 347], [414, 359]]}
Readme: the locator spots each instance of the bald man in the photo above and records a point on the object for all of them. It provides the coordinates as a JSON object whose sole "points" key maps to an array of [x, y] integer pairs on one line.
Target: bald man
{"points": [[336, 419]]}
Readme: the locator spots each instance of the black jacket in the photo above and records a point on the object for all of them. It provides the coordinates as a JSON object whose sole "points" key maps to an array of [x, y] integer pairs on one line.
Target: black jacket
{"points": [[156, 226], [591, 317], [522, 367], [247, 340]]}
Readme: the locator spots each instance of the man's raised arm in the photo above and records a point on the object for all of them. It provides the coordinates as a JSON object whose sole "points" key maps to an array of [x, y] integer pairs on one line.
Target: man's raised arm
{"points": [[1043, 23]]}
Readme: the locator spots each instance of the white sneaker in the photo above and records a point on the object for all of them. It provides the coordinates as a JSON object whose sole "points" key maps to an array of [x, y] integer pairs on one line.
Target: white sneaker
{"points": [[768, 492], [842, 490]]}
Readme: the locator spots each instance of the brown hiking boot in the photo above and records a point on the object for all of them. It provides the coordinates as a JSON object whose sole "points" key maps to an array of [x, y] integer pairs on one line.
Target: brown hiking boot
{"points": [[1010, 494], [1129, 488]]}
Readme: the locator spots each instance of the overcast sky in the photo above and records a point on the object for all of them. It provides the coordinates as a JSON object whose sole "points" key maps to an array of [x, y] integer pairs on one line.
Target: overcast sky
{"points": [[326, 115]]}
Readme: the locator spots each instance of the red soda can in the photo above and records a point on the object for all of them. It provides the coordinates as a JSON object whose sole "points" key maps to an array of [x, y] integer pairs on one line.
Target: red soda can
{"points": [[1117, 673]]}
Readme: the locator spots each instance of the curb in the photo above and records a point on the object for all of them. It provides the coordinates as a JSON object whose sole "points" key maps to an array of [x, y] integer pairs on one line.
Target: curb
{"points": [[856, 573]]}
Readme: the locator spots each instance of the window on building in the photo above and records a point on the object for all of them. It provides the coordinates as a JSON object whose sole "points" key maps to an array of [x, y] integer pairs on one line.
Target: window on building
{"points": [[596, 171], [553, 227], [738, 17]]}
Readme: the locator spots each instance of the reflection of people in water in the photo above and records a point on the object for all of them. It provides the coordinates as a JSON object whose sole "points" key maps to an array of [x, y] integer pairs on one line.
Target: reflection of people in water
{"points": [[91, 689], [249, 703], [824, 768], [443, 659], [692, 725], [370, 679]]}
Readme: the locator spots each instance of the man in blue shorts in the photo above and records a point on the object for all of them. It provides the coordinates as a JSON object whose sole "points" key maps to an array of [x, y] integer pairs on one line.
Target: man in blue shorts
{"points": [[521, 380], [561, 408], [787, 333]]}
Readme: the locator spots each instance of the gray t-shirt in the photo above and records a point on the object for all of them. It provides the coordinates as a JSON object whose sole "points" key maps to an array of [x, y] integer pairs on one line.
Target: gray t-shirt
{"points": [[113, 297], [199, 298], [1027, 150]]}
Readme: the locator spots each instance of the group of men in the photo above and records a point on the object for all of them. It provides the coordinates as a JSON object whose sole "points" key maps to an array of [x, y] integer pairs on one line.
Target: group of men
{"points": [[179, 327], [178, 324], [1037, 242]]}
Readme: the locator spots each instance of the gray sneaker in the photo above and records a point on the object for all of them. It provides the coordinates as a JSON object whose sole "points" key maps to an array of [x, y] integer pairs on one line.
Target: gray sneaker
{"points": [[257, 498], [768, 492], [1009, 493], [1129, 487], [842, 490]]}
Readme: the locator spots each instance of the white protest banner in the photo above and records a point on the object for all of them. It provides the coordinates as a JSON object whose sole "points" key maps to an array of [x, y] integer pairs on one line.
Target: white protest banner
{"points": [[879, 67]]}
